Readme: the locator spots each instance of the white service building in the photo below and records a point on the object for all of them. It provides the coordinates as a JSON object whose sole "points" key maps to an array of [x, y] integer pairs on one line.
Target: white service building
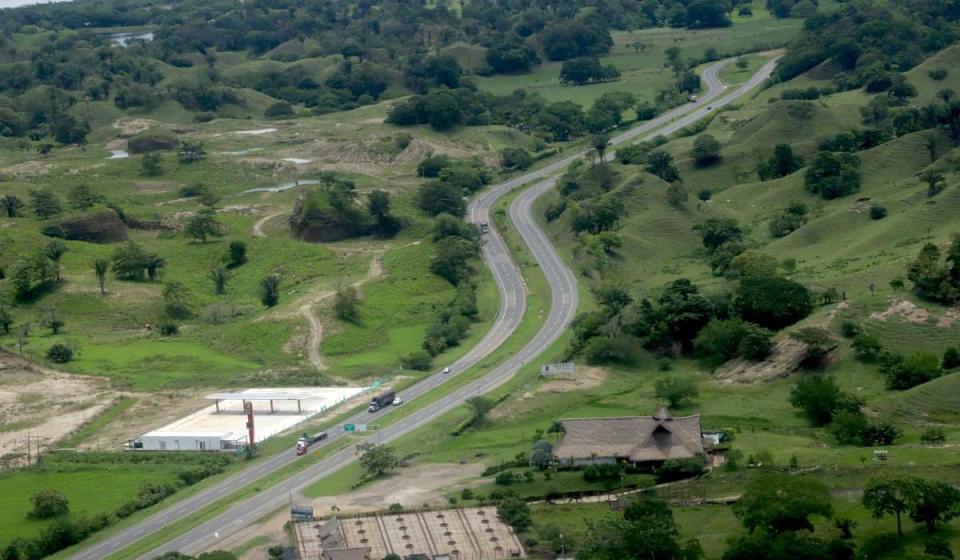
{"points": [[187, 441], [222, 426]]}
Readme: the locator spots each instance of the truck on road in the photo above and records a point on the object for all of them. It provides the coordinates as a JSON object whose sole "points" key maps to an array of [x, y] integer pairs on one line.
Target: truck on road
{"points": [[307, 440], [382, 400]]}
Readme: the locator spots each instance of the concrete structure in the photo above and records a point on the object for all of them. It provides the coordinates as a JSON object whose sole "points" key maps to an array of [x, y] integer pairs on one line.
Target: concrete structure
{"points": [[634, 439], [222, 426], [474, 533], [567, 369]]}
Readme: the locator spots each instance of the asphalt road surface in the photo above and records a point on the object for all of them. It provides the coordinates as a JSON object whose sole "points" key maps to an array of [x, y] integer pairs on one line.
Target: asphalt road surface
{"points": [[563, 307]]}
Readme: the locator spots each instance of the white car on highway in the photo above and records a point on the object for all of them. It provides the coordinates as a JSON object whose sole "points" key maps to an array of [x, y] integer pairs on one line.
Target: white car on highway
{"points": [[446, 369]]}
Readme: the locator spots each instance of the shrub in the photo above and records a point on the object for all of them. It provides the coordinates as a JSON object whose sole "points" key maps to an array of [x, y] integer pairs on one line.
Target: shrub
{"points": [[937, 74], [515, 159], [821, 399], [850, 329], [833, 175], [677, 469], [466, 494], [278, 109], [951, 357], [421, 360], [906, 372], [883, 433], [600, 473], [773, 302], [59, 353], [237, 254], [723, 340], [847, 427], [168, 328], [48, 504], [706, 150], [505, 478], [933, 436], [867, 347], [676, 390], [878, 212], [516, 513]]}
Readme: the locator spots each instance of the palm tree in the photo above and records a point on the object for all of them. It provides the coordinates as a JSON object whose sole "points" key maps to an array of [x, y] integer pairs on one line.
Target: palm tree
{"points": [[600, 142], [153, 264], [54, 251], [220, 276], [934, 181], [100, 267], [10, 205], [557, 428]]}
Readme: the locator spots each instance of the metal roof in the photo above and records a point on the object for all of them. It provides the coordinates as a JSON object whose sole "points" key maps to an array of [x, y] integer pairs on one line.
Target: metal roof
{"points": [[272, 396]]}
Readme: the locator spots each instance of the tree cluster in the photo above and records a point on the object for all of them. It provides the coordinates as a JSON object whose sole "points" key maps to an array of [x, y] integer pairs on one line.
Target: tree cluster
{"points": [[925, 501], [587, 70], [334, 211], [646, 529], [776, 510], [682, 319], [936, 276]]}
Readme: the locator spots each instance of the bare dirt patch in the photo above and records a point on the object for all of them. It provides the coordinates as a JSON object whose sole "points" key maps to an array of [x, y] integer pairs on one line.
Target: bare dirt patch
{"points": [[44, 403], [586, 378], [258, 226], [27, 169], [156, 186], [116, 144], [784, 360], [129, 127], [903, 309], [157, 408], [410, 487]]}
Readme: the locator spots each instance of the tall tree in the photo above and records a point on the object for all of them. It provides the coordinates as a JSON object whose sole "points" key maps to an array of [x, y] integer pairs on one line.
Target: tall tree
{"points": [[889, 495], [100, 267]]}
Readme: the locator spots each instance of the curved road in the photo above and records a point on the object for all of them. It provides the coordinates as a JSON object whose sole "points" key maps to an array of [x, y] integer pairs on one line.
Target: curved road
{"points": [[563, 307]]}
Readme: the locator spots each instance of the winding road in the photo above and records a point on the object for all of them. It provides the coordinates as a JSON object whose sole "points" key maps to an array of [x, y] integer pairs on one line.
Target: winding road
{"points": [[513, 295]]}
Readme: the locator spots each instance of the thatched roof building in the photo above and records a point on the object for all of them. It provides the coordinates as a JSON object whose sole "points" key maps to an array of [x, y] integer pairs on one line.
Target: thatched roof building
{"points": [[636, 439]]}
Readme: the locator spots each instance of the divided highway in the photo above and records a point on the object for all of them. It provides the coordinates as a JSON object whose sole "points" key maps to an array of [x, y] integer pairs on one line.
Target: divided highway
{"points": [[563, 307]]}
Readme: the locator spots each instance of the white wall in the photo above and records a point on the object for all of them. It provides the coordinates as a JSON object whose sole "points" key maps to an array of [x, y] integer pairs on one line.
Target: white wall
{"points": [[181, 443]]}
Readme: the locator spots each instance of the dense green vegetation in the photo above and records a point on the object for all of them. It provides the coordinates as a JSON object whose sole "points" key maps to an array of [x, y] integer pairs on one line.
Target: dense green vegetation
{"points": [[783, 268]]}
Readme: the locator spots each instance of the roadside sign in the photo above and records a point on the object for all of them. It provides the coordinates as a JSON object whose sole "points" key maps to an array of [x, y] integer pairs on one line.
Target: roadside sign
{"points": [[360, 427], [318, 454], [349, 428]]}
